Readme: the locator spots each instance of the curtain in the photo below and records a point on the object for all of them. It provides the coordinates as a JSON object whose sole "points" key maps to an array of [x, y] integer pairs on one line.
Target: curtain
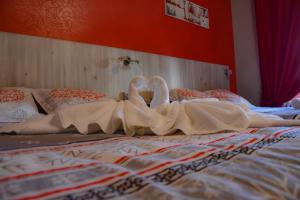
{"points": [[278, 28]]}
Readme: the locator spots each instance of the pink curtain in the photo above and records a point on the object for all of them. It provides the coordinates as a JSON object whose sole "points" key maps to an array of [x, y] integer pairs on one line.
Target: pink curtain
{"points": [[278, 27]]}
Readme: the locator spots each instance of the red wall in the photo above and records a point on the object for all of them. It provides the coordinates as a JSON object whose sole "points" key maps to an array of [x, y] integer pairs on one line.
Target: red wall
{"points": [[130, 24]]}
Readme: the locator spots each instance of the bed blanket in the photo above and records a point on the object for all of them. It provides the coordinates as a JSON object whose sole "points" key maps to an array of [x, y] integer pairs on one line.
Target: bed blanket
{"points": [[254, 164]]}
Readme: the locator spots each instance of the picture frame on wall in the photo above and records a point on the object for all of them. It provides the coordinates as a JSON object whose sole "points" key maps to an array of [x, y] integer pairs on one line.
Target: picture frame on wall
{"points": [[187, 11]]}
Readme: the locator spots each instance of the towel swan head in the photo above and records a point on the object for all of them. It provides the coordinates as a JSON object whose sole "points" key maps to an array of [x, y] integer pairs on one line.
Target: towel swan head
{"points": [[155, 83]]}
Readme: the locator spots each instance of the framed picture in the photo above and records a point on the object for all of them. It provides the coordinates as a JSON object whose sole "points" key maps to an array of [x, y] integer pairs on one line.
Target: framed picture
{"points": [[187, 11]]}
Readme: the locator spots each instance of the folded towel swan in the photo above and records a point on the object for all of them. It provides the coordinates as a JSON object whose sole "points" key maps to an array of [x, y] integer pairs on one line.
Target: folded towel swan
{"points": [[133, 116], [157, 84]]}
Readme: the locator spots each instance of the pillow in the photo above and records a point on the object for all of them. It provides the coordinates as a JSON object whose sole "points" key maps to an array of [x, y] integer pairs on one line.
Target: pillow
{"points": [[179, 94], [16, 105], [226, 95], [294, 102], [54, 99]]}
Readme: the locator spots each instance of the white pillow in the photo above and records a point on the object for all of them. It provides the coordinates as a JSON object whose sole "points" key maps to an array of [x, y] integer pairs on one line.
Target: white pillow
{"points": [[16, 104], [296, 103]]}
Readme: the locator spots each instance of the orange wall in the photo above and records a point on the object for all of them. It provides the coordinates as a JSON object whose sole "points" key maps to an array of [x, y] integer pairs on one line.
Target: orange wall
{"points": [[131, 24]]}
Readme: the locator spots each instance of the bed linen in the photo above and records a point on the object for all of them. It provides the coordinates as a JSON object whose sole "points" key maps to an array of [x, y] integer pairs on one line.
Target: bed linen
{"points": [[200, 116], [133, 116], [254, 164], [14, 141], [3, 124], [284, 112], [294, 102]]}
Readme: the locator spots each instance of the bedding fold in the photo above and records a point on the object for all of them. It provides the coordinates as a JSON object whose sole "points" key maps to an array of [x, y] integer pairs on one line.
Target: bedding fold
{"points": [[191, 117], [134, 117]]}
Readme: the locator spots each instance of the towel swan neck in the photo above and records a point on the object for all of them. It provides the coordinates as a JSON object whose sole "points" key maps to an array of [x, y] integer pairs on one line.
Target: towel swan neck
{"points": [[161, 91], [155, 83], [135, 85]]}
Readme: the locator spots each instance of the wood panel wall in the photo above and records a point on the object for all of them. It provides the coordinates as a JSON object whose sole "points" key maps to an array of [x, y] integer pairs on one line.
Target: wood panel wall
{"points": [[38, 62]]}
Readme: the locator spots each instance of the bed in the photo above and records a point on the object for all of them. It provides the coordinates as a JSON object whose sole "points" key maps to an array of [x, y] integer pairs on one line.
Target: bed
{"points": [[256, 163]]}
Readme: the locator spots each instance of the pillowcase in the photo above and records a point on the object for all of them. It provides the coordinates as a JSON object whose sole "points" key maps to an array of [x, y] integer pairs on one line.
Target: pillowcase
{"points": [[294, 102], [179, 94], [16, 105], [54, 99], [226, 95]]}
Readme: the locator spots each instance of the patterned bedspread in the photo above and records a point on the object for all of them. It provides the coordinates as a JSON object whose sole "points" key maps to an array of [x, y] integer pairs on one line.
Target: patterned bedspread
{"points": [[255, 164]]}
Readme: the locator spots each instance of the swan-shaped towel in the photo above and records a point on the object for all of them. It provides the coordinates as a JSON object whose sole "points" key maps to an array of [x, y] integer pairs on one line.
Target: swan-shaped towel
{"points": [[133, 116], [157, 84]]}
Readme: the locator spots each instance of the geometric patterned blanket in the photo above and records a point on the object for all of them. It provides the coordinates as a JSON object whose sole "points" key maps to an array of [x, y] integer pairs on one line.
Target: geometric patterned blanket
{"points": [[254, 164]]}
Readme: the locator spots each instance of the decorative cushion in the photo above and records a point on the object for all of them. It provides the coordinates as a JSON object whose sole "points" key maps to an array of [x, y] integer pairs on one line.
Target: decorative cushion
{"points": [[179, 94], [53, 99], [16, 105], [226, 95]]}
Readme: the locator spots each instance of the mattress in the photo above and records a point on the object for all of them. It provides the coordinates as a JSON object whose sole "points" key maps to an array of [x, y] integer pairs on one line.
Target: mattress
{"points": [[284, 112], [253, 164]]}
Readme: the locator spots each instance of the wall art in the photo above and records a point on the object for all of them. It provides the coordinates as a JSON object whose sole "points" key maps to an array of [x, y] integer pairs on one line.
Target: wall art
{"points": [[187, 11]]}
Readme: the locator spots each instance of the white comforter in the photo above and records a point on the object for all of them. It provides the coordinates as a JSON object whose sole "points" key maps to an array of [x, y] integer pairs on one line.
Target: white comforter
{"points": [[133, 116]]}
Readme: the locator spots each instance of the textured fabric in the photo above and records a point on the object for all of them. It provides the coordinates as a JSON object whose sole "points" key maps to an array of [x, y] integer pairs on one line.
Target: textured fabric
{"points": [[226, 95], [198, 116], [13, 141], [284, 112], [179, 94], [294, 102], [278, 27], [3, 124], [55, 99], [254, 164], [16, 105], [155, 83]]}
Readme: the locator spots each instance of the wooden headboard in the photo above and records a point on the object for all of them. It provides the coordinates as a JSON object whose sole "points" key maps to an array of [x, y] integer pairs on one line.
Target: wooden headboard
{"points": [[37, 62]]}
